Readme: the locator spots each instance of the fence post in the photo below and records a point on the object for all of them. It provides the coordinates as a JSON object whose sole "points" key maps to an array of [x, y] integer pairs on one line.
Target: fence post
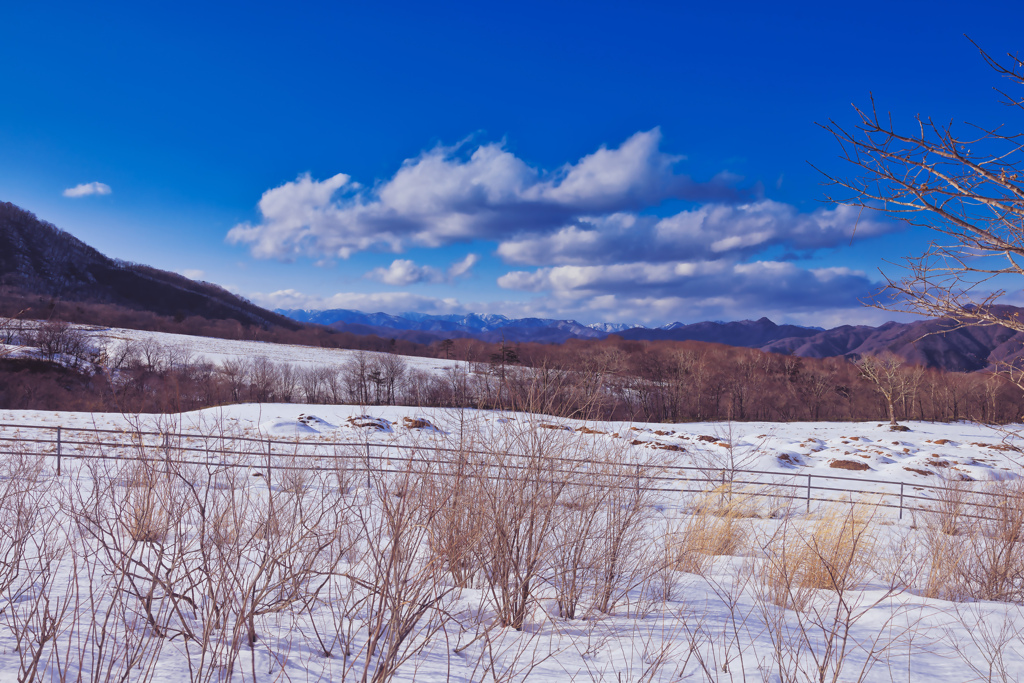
{"points": [[165, 445], [368, 485], [270, 453], [808, 494], [901, 501], [58, 451]]}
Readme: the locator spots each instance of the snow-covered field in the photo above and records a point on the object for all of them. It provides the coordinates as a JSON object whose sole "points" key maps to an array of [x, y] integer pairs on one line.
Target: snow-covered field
{"points": [[400, 543], [870, 451], [265, 583], [219, 350]]}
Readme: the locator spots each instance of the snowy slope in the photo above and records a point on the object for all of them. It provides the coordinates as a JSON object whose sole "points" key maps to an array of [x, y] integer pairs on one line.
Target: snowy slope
{"points": [[219, 350]]}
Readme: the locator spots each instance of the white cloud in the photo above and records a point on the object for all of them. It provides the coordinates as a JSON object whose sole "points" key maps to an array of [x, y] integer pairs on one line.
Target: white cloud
{"points": [[753, 286], [403, 272], [707, 232], [583, 236], [463, 267], [441, 197], [193, 274], [390, 302], [86, 189]]}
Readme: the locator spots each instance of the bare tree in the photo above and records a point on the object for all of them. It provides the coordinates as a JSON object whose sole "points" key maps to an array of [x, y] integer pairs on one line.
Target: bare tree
{"points": [[356, 373], [885, 373], [60, 340], [235, 371], [11, 328], [965, 186]]}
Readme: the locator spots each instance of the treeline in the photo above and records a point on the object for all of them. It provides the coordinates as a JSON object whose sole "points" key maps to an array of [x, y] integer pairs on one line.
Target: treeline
{"points": [[608, 379]]}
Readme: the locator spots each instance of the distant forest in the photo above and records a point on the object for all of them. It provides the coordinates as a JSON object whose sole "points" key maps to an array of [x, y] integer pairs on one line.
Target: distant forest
{"points": [[652, 381]]}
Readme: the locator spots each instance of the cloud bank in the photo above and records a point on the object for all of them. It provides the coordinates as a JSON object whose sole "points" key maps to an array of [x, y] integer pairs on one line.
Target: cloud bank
{"points": [[590, 240], [440, 198], [712, 231], [86, 189]]}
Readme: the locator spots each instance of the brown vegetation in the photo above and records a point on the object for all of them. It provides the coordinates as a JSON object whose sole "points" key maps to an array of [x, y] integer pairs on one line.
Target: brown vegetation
{"points": [[611, 378]]}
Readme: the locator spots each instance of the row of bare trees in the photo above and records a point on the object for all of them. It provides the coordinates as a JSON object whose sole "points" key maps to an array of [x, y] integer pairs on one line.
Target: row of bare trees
{"points": [[656, 384], [650, 382]]}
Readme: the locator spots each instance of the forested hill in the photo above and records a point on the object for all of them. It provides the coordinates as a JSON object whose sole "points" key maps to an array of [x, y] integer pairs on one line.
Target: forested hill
{"points": [[38, 258]]}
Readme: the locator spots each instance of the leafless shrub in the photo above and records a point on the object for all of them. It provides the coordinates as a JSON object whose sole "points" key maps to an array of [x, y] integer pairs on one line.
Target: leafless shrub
{"points": [[457, 527], [574, 546], [406, 596], [985, 642], [11, 328], [624, 548], [20, 512], [995, 568], [40, 608], [946, 539], [61, 340], [975, 543]]}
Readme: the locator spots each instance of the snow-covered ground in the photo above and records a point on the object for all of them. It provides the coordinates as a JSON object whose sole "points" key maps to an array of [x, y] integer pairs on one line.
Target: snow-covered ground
{"points": [[319, 569], [219, 350], [713, 619], [923, 455]]}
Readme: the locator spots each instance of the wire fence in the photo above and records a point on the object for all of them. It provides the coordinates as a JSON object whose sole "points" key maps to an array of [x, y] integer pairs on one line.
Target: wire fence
{"points": [[266, 455]]}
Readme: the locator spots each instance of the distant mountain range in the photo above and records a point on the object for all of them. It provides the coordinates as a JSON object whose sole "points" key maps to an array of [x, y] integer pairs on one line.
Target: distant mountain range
{"points": [[423, 328], [933, 343]]}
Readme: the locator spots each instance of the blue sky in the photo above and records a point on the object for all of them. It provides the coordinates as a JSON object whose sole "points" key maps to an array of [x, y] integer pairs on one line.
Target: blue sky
{"points": [[633, 162]]}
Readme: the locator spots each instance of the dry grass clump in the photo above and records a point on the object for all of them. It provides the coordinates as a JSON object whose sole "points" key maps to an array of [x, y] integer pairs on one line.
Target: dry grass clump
{"points": [[700, 537], [728, 500], [851, 465], [417, 423], [975, 543], [833, 552], [144, 513], [145, 520]]}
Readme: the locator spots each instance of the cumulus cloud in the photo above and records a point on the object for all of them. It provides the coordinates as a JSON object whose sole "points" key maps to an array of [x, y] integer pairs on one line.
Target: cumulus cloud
{"points": [[403, 272], [442, 196], [193, 274], [698, 262], [707, 232], [86, 189]]}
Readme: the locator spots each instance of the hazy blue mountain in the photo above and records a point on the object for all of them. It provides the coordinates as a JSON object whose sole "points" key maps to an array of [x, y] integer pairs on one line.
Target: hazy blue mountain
{"points": [[934, 343], [484, 326]]}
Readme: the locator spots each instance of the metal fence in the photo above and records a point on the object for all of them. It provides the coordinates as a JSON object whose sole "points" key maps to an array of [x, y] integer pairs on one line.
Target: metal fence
{"points": [[268, 455]]}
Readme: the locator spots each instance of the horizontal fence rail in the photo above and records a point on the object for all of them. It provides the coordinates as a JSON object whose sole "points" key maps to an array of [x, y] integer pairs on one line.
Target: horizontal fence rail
{"points": [[366, 457]]}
